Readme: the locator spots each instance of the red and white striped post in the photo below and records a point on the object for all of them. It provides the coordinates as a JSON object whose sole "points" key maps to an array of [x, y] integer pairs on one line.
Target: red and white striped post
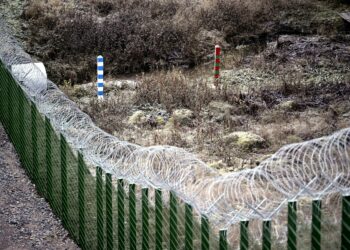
{"points": [[217, 64]]}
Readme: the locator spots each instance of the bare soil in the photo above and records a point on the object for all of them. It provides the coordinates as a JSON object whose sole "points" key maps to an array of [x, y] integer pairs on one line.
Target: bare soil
{"points": [[26, 219]]}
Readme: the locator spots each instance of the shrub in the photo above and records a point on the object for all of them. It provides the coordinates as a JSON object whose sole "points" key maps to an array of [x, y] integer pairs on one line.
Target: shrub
{"points": [[143, 35]]}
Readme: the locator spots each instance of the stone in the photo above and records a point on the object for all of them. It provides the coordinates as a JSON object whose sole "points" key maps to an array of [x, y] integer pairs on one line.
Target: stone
{"points": [[245, 140], [220, 108], [218, 165], [160, 120], [289, 105], [183, 116], [286, 40], [138, 118], [293, 139]]}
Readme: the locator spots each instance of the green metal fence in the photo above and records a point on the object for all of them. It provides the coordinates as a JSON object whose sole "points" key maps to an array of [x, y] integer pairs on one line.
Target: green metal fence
{"points": [[101, 212]]}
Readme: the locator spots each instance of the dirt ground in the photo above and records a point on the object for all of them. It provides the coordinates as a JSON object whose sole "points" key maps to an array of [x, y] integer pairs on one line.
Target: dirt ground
{"points": [[26, 219]]}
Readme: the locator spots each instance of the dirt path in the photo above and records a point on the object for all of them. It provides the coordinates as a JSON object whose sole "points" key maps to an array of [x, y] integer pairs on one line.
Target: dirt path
{"points": [[26, 220]]}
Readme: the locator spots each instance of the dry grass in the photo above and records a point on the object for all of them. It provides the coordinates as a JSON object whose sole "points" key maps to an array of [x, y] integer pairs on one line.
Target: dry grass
{"points": [[137, 36], [174, 90]]}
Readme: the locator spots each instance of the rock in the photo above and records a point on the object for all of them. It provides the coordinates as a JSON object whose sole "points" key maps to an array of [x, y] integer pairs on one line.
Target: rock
{"points": [[183, 116], [234, 121], [293, 139], [138, 118], [245, 140], [160, 120], [219, 109], [262, 158], [122, 84], [286, 40], [218, 165], [289, 105], [271, 46]]}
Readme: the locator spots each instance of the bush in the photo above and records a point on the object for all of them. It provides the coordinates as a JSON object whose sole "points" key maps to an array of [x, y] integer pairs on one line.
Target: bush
{"points": [[170, 89], [142, 35]]}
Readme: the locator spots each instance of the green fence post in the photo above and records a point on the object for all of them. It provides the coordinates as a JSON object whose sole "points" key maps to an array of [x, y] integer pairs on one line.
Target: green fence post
{"points": [[132, 217], [345, 231], [223, 240], [244, 241], [316, 225], [266, 236], [35, 162], [121, 217], [292, 225], [145, 219], [7, 98], [81, 198], [10, 111], [204, 233], [99, 205], [173, 230], [48, 157], [64, 181], [109, 211], [2, 94], [159, 219], [188, 227], [21, 127], [14, 115]]}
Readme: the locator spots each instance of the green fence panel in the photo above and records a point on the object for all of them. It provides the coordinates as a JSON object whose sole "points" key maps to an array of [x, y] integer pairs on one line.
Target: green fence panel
{"points": [[3, 86], [266, 235], [345, 234], [145, 219], [316, 225], [14, 116], [21, 128], [223, 240], [292, 225], [204, 233], [188, 227], [64, 180], [121, 215], [35, 163], [81, 197], [24, 132], [100, 212], [173, 228], [109, 211], [48, 155], [41, 155], [11, 118], [132, 217], [244, 239], [159, 219]]}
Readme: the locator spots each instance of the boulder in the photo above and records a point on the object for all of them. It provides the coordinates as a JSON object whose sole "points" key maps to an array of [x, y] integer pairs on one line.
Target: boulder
{"points": [[245, 140], [218, 109], [138, 118], [183, 116], [218, 165], [289, 105]]}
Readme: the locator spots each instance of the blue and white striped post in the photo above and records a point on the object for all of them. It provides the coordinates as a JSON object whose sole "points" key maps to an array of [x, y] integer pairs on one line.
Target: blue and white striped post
{"points": [[100, 77]]}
